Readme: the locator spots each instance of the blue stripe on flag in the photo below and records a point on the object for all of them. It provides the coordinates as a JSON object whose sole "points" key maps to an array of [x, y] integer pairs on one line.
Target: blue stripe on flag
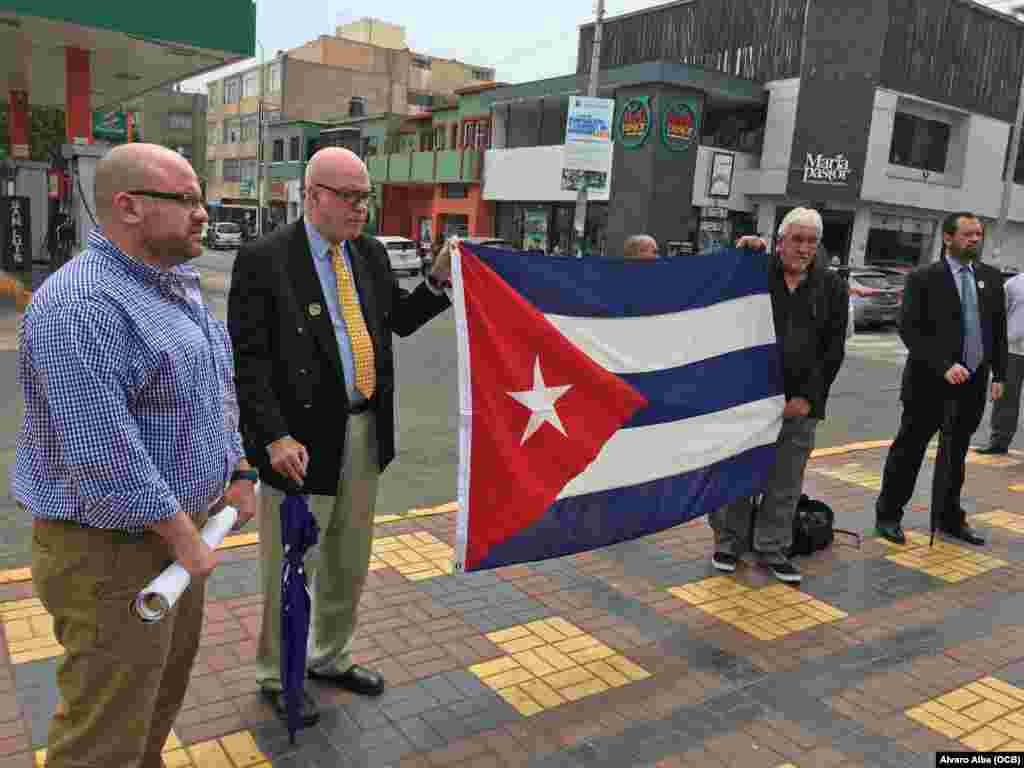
{"points": [[708, 386], [600, 287], [581, 523]]}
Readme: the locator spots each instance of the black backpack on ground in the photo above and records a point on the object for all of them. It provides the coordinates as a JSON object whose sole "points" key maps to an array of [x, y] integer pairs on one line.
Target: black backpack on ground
{"points": [[813, 526]]}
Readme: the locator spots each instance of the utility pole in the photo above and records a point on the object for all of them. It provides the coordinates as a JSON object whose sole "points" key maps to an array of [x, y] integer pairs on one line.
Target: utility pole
{"points": [[1011, 168], [260, 155], [580, 221]]}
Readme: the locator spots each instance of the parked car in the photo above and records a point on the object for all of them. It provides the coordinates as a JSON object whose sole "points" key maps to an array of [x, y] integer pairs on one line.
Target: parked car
{"points": [[224, 234], [877, 297], [402, 253]]}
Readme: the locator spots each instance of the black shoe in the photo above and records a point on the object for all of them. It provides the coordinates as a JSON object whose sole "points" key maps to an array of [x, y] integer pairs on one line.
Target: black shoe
{"points": [[310, 712], [891, 532], [724, 562], [786, 572], [356, 679], [964, 533], [993, 449]]}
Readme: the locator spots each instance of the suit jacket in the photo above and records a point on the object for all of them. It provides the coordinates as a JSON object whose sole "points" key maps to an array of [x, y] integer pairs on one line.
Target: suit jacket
{"points": [[931, 326], [288, 369]]}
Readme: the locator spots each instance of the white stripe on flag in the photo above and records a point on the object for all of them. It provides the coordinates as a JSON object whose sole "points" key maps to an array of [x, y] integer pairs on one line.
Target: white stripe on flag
{"points": [[643, 344], [643, 454]]}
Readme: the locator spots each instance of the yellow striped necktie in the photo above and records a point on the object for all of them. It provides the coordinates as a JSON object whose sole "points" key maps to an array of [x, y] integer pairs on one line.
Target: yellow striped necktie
{"points": [[359, 337]]}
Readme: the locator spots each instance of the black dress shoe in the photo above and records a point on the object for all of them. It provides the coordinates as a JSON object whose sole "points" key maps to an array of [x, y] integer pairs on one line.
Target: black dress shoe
{"points": [[964, 533], [891, 532], [993, 449], [356, 679], [310, 712]]}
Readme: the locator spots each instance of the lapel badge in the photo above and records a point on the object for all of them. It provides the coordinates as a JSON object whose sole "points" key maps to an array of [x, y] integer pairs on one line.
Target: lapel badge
{"points": [[314, 309], [981, 284]]}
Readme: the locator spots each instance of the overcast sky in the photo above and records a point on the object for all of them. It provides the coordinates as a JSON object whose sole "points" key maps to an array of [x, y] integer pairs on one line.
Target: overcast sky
{"points": [[522, 39]]}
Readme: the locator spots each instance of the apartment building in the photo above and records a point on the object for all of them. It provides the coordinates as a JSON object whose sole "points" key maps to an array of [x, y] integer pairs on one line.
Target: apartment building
{"points": [[365, 68], [174, 119]]}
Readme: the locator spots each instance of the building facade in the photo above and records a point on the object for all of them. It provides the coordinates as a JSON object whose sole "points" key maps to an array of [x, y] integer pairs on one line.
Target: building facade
{"points": [[430, 184], [174, 119], [364, 69]]}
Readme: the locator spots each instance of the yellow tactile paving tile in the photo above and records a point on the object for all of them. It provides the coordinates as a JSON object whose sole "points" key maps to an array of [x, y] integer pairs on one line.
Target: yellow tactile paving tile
{"points": [[1017, 487], [944, 560], [29, 630], [986, 715], [1001, 519], [416, 556], [839, 450], [766, 613], [237, 750], [443, 509], [1011, 459], [240, 540], [550, 662], [853, 473]]}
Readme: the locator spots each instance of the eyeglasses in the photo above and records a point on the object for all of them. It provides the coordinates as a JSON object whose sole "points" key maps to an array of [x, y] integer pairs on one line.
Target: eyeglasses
{"points": [[190, 201], [352, 197]]}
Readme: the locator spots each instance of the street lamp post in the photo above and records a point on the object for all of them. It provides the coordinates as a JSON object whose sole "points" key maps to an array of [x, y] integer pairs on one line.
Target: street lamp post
{"points": [[580, 219], [259, 147]]}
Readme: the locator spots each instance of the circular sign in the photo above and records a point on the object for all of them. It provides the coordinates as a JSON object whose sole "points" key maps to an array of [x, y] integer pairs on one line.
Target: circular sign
{"points": [[679, 127], [634, 122]]}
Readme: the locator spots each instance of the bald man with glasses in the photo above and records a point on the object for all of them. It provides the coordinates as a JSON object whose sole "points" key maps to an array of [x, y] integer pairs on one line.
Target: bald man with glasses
{"points": [[312, 310], [129, 443]]}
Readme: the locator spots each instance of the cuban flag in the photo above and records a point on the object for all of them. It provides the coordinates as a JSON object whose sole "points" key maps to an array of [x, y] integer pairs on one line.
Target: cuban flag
{"points": [[604, 400]]}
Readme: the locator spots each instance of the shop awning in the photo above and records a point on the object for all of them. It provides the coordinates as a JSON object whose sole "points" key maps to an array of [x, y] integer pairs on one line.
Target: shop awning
{"points": [[134, 46]]}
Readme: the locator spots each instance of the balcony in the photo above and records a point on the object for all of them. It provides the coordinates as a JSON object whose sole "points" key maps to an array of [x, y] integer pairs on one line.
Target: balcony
{"points": [[441, 167]]}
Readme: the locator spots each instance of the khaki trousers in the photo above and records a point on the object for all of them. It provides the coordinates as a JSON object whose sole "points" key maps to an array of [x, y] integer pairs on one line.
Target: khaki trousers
{"points": [[336, 567], [121, 681]]}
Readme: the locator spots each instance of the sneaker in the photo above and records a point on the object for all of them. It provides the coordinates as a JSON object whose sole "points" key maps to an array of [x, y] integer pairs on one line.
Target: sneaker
{"points": [[724, 562], [786, 572]]}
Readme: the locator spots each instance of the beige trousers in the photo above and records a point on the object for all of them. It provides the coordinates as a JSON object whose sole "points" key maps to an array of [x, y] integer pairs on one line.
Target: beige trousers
{"points": [[336, 567]]}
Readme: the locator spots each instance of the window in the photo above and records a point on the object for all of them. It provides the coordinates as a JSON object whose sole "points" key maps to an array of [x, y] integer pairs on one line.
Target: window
{"points": [[454, 142], [439, 136], [232, 130], [213, 133], [250, 128], [232, 170], [476, 134], [422, 62], [426, 141], [919, 143], [295, 148], [278, 156], [248, 170], [274, 86], [483, 74], [232, 90], [251, 84], [179, 121], [271, 116], [213, 91], [454, 191], [419, 99], [211, 170]]}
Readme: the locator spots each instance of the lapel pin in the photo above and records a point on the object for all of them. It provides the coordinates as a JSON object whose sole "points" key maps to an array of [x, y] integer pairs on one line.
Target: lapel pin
{"points": [[981, 283], [314, 309]]}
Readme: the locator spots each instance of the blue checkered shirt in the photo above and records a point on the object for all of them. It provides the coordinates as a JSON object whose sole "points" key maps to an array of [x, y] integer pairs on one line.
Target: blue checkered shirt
{"points": [[130, 406]]}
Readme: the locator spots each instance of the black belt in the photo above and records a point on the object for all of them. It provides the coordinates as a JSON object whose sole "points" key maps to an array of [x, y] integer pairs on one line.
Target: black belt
{"points": [[362, 407]]}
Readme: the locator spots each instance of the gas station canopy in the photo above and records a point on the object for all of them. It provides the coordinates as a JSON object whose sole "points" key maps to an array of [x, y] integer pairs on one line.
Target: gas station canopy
{"points": [[133, 47]]}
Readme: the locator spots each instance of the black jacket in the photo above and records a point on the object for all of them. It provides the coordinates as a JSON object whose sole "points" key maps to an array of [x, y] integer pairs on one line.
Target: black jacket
{"points": [[288, 370], [931, 325], [810, 329]]}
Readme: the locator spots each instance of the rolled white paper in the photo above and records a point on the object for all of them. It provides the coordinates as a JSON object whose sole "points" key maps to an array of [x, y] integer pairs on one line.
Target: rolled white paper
{"points": [[160, 595]]}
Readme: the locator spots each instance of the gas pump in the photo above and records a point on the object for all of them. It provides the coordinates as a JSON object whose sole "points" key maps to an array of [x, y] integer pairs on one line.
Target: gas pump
{"points": [[15, 222]]}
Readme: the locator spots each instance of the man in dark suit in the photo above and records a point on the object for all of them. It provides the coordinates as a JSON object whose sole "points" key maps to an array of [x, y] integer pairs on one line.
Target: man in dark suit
{"points": [[954, 325], [311, 313]]}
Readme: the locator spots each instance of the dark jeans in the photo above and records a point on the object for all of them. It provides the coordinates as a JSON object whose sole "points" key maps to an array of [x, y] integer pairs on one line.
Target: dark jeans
{"points": [[1006, 410], [918, 424]]}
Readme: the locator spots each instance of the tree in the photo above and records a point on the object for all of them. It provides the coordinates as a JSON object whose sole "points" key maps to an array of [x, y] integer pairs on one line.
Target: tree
{"points": [[46, 131]]}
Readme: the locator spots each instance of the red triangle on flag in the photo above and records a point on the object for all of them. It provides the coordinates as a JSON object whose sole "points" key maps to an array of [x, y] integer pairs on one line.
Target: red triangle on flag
{"points": [[542, 409]]}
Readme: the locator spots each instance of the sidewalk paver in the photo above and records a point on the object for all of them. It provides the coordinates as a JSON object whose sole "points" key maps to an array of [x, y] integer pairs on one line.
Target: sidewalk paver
{"points": [[639, 654]]}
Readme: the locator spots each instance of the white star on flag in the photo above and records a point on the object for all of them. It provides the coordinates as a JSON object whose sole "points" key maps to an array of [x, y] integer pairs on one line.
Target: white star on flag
{"points": [[541, 402]]}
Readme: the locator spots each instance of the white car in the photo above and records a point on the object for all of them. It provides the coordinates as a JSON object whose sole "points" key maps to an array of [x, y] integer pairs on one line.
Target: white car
{"points": [[224, 234], [402, 253]]}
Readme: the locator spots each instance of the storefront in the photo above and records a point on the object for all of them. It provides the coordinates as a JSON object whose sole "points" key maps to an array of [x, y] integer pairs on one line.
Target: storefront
{"points": [[548, 227]]}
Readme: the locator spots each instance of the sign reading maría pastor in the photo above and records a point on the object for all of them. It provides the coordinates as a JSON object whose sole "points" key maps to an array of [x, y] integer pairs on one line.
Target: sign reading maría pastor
{"points": [[831, 170], [635, 122]]}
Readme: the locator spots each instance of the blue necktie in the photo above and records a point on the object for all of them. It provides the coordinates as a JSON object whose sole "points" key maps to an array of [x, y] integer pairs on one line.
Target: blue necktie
{"points": [[974, 349]]}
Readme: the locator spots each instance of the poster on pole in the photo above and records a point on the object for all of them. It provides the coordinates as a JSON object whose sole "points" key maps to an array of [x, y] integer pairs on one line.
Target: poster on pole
{"points": [[587, 157]]}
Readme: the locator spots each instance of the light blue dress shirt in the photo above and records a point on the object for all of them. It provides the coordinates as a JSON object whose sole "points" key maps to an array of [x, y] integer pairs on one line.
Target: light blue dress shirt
{"points": [[956, 266], [328, 282]]}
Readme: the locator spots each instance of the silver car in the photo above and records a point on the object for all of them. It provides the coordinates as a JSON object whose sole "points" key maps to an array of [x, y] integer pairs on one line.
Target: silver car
{"points": [[877, 298], [402, 253]]}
